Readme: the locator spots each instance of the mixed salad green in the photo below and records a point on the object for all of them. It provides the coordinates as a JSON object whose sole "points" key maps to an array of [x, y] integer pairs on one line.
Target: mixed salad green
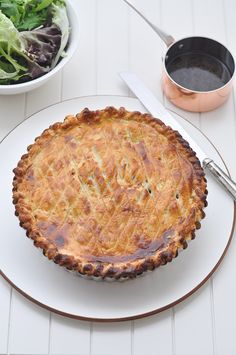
{"points": [[33, 38]]}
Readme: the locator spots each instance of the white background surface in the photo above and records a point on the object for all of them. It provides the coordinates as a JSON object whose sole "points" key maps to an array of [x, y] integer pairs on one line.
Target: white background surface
{"points": [[112, 39]]}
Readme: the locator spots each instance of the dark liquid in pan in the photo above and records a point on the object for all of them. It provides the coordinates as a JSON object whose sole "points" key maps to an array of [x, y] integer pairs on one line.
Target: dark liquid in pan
{"points": [[198, 72]]}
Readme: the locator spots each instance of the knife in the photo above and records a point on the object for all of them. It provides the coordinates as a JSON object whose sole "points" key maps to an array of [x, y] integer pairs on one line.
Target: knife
{"points": [[156, 109]]}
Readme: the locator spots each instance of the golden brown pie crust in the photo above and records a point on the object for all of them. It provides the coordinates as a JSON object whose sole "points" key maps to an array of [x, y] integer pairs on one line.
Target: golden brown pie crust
{"points": [[110, 193]]}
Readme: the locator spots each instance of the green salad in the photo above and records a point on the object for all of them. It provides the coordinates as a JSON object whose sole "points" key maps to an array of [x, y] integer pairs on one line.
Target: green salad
{"points": [[33, 38]]}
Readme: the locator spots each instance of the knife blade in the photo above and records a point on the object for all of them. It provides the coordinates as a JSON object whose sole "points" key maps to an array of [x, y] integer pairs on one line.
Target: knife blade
{"points": [[156, 109]]}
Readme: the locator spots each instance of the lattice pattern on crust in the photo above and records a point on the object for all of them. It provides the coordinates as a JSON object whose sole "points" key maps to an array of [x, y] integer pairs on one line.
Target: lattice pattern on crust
{"points": [[110, 193]]}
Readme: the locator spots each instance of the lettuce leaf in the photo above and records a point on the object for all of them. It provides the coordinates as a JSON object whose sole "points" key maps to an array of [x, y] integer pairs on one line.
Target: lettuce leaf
{"points": [[11, 49], [42, 45], [46, 45], [60, 19], [26, 14], [25, 55], [29, 14]]}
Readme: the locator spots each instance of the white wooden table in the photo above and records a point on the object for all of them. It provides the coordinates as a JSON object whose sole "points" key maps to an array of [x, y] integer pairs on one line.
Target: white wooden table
{"points": [[112, 38]]}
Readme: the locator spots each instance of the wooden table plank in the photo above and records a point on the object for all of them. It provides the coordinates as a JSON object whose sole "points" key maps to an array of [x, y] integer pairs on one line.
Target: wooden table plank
{"points": [[11, 114], [111, 46], [228, 8], [145, 59], [69, 336], [112, 42], [224, 289], [191, 316], [220, 126], [194, 315], [111, 339], [29, 327], [36, 320], [44, 96], [153, 335], [79, 76], [145, 48], [5, 302]]}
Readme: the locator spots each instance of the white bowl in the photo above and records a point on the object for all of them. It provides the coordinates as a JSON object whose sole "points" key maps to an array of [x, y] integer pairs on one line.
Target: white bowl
{"points": [[71, 48]]}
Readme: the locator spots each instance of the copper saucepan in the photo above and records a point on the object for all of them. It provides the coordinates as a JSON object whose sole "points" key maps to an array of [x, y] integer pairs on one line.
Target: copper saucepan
{"points": [[197, 71]]}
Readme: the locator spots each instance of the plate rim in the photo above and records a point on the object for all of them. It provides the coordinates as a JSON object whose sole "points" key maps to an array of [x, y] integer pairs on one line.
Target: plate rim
{"points": [[145, 314]]}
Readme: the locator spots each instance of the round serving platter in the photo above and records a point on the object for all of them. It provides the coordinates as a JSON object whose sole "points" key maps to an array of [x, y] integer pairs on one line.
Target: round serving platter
{"points": [[52, 287]]}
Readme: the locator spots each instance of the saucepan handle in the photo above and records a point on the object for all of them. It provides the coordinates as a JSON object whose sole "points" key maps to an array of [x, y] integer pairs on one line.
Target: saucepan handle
{"points": [[220, 176], [167, 38]]}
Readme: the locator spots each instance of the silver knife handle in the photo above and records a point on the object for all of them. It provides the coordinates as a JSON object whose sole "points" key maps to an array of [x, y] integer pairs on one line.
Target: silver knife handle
{"points": [[220, 176]]}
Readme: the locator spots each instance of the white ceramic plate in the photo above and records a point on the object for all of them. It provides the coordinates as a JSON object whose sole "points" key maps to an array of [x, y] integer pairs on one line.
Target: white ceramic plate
{"points": [[51, 286]]}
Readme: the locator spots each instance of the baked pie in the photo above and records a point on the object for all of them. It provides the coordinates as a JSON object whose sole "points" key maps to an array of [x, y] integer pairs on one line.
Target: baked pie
{"points": [[110, 193]]}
